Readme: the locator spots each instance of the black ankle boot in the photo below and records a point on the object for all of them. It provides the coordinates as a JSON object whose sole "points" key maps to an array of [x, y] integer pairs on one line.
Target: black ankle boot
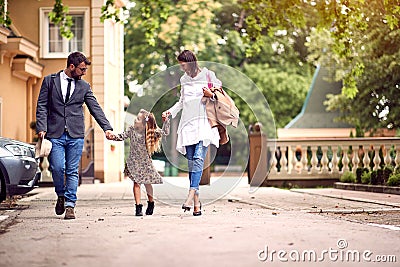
{"points": [[150, 207], [139, 210]]}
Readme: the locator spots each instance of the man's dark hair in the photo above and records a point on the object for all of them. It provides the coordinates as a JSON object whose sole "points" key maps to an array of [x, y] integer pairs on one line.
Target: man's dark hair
{"points": [[77, 58]]}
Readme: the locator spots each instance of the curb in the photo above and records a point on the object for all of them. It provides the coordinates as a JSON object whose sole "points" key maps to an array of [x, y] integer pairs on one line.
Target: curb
{"points": [[355, 211], [384, 203], [368, 188]]}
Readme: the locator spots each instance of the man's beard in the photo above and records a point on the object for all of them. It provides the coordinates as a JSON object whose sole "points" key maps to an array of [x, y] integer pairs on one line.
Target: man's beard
{"points": [[75, 76]]}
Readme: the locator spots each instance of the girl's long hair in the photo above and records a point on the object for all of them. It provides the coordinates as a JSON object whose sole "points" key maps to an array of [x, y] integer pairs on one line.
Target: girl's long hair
{"points": [[153, 136], [190, 58]]}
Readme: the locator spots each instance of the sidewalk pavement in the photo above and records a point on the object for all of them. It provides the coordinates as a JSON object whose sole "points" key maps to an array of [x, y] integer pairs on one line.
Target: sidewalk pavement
{"points": [[236, 189], [237, 228], [174, 190]]}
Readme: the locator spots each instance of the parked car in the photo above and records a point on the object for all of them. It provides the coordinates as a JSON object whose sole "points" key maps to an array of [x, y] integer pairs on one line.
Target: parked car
{"points": [[19, 169]]}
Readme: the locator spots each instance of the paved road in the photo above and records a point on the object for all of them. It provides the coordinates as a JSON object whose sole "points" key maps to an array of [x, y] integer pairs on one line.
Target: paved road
{"points": [[239, 229]]}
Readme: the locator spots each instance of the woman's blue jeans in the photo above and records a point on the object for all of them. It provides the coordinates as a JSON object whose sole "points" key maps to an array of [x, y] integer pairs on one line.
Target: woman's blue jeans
{"points": [[196, 154], [64, 160]]}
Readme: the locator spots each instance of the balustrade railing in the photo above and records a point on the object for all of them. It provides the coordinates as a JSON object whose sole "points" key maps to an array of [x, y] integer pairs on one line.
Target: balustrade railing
{"points": [[320, 158]]}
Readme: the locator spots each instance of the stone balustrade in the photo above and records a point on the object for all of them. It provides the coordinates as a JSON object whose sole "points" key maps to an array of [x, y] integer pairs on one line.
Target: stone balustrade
{"points": [[317, 161]]}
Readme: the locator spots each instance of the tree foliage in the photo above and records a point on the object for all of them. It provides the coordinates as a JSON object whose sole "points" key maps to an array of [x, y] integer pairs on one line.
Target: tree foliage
{"points": [[358, 39], [214, 29], [156, 32], [109, 11], [375, 51], [344, 20], [59, 16], [284, 91], [4, 15]]}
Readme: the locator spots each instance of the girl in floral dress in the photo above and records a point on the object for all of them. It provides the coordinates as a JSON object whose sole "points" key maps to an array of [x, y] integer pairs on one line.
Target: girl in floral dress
{"points": [[145, 139]]}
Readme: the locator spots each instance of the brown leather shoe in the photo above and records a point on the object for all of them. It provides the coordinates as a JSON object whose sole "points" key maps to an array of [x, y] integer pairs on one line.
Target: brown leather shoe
{"points": [[69, 213], [60, 205]]}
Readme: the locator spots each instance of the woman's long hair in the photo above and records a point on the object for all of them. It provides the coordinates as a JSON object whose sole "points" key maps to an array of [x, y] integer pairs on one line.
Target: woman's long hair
{"points": [[153, 136], [190, 58]]}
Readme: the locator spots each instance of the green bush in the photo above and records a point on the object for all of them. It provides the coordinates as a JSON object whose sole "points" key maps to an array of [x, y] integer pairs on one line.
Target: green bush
{"points": [[389, 168], [394, 180], [366, 177], [374, 177], [359, 172], [387, 171], [379, 177], [348, 177]]}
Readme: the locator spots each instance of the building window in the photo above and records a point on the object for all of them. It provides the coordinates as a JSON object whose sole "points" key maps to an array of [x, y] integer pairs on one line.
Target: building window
{"points": [[53, 45]]}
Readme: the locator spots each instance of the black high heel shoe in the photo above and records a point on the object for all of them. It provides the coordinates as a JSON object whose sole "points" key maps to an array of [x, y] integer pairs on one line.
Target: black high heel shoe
{"points": [[197, 213], [185, 208]]}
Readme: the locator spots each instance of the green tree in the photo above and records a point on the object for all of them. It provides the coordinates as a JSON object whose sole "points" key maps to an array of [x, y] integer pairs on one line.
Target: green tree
{"points": [[285, 92], [156, 31], [343, 19], [377, 48], [358, 39]]}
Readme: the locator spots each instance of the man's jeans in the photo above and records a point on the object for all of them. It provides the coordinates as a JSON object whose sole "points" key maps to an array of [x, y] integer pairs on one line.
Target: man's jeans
{"points": [[64, 160], [195, 155]]}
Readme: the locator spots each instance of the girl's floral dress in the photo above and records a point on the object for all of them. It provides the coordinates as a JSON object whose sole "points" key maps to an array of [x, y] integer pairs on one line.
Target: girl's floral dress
{"points": [[139, 167]]}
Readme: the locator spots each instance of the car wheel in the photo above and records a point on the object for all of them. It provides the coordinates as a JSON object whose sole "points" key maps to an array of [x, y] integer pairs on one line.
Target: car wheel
{"points": [[2, 188]]}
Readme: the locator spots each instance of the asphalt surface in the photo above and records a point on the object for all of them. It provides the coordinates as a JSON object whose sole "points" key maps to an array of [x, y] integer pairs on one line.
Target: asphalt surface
{"points": [[269, 226]]}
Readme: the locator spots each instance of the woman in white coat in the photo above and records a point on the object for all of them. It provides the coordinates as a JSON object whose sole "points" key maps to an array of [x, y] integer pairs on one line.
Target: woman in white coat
{"points": [[194, 131]]}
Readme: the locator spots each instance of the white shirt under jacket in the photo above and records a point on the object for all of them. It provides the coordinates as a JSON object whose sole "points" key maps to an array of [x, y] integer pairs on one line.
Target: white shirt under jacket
{"points": [[193, 125]]}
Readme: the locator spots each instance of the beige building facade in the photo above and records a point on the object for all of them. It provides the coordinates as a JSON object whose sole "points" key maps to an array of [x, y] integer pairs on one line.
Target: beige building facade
{"points": [[32, 48]]}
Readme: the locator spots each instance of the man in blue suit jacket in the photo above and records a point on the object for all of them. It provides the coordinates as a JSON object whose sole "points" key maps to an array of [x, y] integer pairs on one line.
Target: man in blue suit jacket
{"points": [[60, 118]]}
